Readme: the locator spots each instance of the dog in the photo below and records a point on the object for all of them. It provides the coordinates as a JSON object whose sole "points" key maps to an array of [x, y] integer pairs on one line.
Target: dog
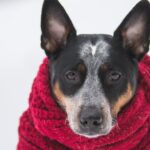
{"points": [[90, 79], [94, 76]]}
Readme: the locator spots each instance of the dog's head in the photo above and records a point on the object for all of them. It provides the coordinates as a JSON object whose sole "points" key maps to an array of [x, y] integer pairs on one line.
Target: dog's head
{"points": [[94, 76]]}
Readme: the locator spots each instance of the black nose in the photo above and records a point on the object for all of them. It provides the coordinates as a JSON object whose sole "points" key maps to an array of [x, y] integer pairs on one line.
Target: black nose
{"points": [[90, 117]]}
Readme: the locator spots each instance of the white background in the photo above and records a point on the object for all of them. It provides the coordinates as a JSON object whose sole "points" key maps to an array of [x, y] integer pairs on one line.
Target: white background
{"points": [[20, 52]]}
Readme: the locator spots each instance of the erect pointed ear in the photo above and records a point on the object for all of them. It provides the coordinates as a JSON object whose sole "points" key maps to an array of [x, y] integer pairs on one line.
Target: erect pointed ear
{"points": [[56, 26], [134, 31]]}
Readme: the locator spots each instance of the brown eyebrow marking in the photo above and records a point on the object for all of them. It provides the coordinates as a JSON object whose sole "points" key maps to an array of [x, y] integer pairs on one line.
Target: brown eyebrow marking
{"points": [[122, 100], [104, 67], [81, 67]]}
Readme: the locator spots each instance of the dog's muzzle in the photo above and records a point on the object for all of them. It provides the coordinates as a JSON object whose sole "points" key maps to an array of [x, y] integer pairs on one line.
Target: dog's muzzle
{"points": [[92, 122]]}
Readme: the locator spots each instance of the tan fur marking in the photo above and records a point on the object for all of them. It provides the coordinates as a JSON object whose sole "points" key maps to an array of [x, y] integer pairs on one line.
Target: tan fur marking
{"points": [[81, 67], [104, 67], [58, 93], [123, 100], [62, 99]]}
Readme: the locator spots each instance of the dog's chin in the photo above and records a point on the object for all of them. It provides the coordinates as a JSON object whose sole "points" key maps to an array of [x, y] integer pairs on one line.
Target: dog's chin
{"points": [[91, 135]]}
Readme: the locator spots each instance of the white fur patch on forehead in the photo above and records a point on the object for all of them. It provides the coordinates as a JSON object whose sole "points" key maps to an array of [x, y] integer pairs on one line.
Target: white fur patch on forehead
{"points": [[101, 47], [94, 47]]}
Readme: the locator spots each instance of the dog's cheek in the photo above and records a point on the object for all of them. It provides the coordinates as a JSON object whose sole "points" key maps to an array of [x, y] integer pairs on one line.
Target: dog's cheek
{"points": [[62, 99], [122, 100]]}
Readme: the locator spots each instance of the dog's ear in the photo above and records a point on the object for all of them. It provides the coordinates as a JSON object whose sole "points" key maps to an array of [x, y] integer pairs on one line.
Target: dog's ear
{"points": [[134, 31], [56, 26]]}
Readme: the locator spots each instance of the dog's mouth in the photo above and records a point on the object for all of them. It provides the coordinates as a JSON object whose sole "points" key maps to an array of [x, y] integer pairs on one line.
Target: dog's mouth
{"points": [[93, 134]]}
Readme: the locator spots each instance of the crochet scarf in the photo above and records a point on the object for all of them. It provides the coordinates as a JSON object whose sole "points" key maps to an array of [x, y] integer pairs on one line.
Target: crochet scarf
{"points": [[43, 125]]}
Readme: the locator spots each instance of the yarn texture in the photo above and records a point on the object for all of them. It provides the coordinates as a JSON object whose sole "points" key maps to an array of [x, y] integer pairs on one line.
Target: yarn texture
{"points": [[43, 125]]}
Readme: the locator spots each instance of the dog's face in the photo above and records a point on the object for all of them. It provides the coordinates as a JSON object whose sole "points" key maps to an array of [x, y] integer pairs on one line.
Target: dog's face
{"points": [[94, 76]]}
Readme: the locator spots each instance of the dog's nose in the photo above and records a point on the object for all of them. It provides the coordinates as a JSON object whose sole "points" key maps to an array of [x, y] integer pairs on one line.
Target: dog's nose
{"points": [[90, 118]]}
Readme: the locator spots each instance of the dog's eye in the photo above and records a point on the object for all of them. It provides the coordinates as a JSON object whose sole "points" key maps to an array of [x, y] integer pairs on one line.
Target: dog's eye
{"points": [[72, 76], [114, 76]]}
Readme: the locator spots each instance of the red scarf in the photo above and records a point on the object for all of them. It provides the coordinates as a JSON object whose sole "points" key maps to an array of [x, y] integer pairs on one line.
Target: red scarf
{"points": [[43, 126]]}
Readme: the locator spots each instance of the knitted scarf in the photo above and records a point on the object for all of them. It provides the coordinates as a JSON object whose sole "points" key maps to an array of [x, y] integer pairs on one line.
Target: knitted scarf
{"points": [[43, 125]]}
